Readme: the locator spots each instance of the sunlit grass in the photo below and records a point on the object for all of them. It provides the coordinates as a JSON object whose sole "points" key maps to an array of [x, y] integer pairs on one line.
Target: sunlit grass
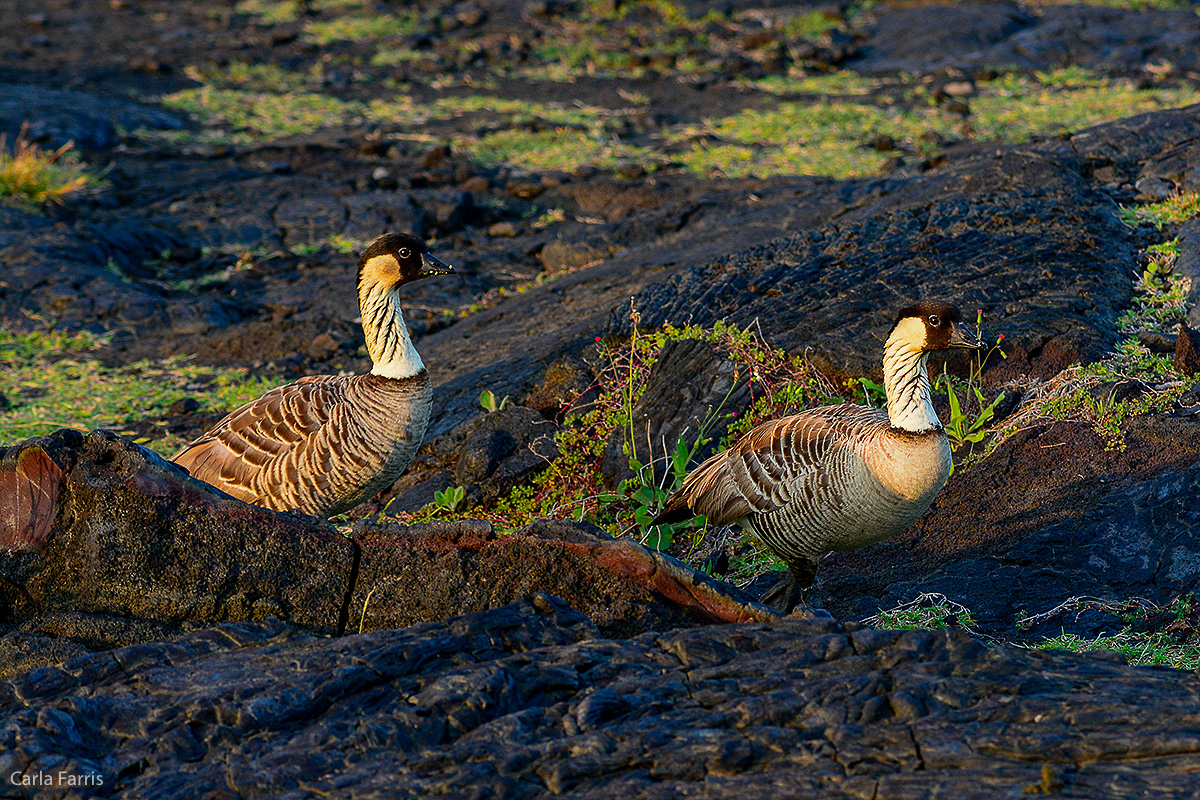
{"points": [[819, 138], [1179, 207], [49, 382], [32, 176], [562, 149], [1015, 110], [257, 116], [357, 28]]}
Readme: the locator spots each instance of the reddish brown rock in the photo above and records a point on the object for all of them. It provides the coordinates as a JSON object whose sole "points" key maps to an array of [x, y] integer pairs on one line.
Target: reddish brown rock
{"points": [[1187, 350], [131, 535], [99, 526], [417, 573]]}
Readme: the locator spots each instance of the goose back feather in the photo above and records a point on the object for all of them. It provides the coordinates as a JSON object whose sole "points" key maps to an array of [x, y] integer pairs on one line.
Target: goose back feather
{"points": [[306, 446]]}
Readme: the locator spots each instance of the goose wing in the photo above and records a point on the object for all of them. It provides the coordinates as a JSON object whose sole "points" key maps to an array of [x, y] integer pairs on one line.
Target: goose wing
{"points": [[239, 453], [775, 462]]}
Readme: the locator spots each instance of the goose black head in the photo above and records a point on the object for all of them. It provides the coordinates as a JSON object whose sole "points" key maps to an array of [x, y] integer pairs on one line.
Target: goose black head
{"points": [[397, 258], [933, 325]]}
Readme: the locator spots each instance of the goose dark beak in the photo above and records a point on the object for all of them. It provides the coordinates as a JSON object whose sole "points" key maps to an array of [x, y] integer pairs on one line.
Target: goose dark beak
{"points": [[432, 266], [962, 336]]}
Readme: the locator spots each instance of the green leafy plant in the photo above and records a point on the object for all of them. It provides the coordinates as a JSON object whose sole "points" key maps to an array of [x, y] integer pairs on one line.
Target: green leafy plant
{"points": [[874, 394], [450, 498], [489, 403], [969, 421]]}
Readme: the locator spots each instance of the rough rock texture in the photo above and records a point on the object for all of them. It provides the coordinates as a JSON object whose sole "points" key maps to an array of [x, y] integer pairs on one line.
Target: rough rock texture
{"points": [[104, 539], [105, 548], [1020, 233], [972, 36], [530, 700]]}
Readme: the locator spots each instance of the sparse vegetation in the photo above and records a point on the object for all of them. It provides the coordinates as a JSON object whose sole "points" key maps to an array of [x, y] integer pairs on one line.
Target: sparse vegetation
{"points": [[970, 419], [31, 176], [1088, 392], [1177, 208], [49, 380], [357, 27], [926, 611], [1149, 635], [572, 486]]}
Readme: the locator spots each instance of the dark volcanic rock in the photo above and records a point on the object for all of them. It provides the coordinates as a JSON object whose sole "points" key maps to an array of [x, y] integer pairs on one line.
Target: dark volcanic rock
{"points": [[121, 542], [974, 36], [1009, 233], [54, 117], [926, 37], [1187, 264], [529, 700]]}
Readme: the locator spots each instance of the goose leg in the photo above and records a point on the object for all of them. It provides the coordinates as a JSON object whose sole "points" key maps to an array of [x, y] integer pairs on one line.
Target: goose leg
{"points": [[792, 589]]}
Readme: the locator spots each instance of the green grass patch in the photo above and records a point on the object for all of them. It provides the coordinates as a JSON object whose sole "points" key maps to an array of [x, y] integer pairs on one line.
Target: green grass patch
{"points": [[562, 149], [1177, 208], [820, 138], [1015, 109], [281, 12], [49, 381], [839, 83], [256, 77], [1151, 635], [250, 116], [832, 137], [30, 176], [361, 28], [270, 12]]}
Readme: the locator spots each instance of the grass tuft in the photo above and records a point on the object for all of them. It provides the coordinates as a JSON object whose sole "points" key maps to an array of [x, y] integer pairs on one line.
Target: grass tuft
{"points": [[32, 176], [1177, 208]]}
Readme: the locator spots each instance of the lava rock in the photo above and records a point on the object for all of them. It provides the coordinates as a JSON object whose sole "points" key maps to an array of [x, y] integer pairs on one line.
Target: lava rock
{"points": [[530, 699]]}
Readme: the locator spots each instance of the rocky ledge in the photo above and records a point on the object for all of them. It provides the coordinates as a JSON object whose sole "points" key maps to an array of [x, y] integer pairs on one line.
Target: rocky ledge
{"points": [[531, 700], [102, 543], [463, 675]]}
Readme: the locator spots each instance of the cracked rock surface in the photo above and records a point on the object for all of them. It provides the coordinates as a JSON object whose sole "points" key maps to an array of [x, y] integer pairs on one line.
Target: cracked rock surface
{"points": [[529, 700]]}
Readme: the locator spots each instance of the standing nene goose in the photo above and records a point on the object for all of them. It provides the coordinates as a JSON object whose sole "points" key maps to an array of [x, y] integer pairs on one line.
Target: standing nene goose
{"points": [[837, 477], [326, 443]]}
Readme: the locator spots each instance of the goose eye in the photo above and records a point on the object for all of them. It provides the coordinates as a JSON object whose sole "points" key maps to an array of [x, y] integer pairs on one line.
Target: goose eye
{"points": [[404, 252], [934, 321]]}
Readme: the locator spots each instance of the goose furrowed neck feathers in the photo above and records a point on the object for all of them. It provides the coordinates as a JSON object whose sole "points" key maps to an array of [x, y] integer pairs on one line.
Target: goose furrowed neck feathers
{"points": [[388, 263]]}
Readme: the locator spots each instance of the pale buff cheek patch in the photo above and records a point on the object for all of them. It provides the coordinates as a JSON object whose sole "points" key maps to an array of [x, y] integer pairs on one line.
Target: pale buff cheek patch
{"points": [[911, 331]]}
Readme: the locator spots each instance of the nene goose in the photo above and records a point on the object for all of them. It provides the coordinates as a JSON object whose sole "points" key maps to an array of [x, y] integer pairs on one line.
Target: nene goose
{"points": [[837, 477], [326, 443]]}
